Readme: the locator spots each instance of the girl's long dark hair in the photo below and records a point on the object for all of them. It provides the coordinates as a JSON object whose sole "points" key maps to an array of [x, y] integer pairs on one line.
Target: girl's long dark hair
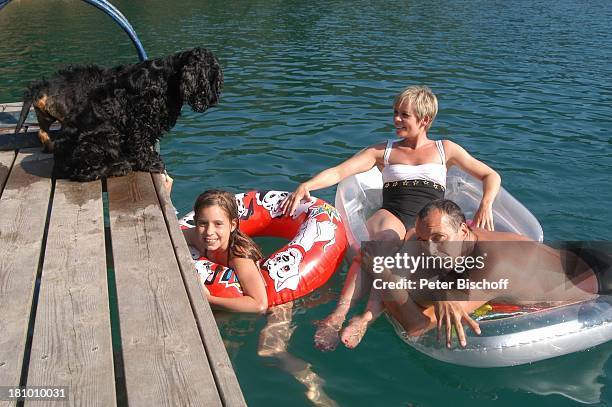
{"points": [[240, 245]]}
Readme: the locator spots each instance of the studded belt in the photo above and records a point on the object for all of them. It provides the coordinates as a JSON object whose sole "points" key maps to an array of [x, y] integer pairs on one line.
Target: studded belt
{"points": [[414, 183]]}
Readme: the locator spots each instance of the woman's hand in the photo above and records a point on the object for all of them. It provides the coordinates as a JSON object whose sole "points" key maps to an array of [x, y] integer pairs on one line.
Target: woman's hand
{"points": [[483, 218], [451, 313], [293, 200], [491, 181]]}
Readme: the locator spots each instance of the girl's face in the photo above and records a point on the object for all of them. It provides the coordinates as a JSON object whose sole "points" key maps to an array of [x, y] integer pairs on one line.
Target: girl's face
{"points": [[406, 123], [214, 228]]}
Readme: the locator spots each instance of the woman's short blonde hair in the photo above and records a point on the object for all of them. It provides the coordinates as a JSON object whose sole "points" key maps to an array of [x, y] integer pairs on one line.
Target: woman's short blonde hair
{"points": [[424, 103]]}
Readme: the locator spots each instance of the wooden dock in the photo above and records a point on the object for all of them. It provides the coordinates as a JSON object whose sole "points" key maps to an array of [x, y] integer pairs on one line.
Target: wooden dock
{"points": [[9, 114], [98, 293]]}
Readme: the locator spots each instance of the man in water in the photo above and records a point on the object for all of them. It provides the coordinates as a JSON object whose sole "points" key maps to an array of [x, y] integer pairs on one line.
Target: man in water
{"points": [[533, 273]]}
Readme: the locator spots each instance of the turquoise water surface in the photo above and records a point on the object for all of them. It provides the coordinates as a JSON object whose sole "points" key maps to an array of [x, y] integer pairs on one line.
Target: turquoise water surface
{"points": [[524, 86]]}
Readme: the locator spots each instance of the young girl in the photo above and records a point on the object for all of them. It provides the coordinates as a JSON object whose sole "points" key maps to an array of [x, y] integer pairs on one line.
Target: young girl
{"points": [[217, 237], [414, 173]]}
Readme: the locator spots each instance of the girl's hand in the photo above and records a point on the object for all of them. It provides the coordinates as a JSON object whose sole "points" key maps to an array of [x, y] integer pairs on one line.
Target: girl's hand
{"points": [[168, 181], [483, 218], [293, 200]]}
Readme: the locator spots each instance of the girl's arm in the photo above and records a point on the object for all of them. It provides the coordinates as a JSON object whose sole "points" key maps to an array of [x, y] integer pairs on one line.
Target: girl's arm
{"points": [[491, 181], [360, 162], [254, 299]]}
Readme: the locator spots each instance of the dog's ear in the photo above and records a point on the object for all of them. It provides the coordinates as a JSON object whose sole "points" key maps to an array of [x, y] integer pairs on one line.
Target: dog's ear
{"points": [[201, 79]]}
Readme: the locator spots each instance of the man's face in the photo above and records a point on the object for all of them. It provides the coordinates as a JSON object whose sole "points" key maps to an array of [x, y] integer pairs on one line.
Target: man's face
{"points": [[438, 235]]}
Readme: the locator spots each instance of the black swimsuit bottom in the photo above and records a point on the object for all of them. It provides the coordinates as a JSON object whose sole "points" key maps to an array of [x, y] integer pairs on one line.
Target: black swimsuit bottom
{"points": [[405, 199], [598, 256]]}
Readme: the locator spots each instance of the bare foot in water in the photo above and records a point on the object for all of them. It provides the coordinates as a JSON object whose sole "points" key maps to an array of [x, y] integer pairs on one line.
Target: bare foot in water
{"points": [[327, 335], [355, 330]]}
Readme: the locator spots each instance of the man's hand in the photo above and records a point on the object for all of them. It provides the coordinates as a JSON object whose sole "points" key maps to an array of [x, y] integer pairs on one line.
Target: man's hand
{"points": [[451, 313]]}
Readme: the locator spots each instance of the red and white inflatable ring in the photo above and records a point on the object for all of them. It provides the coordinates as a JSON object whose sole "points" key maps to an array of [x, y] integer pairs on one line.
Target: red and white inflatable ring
{"points": [[316, 247]]}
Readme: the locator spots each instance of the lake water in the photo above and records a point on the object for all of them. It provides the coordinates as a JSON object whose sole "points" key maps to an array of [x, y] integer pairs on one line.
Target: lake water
{"points": [[524, 86]]}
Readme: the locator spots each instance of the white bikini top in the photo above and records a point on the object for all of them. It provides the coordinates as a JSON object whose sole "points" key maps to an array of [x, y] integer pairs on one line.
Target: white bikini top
{"points": [[434, 172]]}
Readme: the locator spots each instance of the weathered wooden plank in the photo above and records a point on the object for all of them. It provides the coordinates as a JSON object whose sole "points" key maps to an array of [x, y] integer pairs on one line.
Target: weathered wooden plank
{"points": [[72, 334], [23, 212], [6, 162], [28, 136], [164, 359], [227, 383], [11, 107], [9, 114], [12, 141]]}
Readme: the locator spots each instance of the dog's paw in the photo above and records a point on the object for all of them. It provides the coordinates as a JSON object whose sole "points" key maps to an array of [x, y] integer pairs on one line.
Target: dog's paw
{"points": [[85, 176], [119, 169], [150, 164]]}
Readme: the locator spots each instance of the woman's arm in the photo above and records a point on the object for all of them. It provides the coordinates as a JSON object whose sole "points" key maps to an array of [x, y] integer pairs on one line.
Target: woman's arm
{"points": [[254, 299], [360, 162], [491, 181]]}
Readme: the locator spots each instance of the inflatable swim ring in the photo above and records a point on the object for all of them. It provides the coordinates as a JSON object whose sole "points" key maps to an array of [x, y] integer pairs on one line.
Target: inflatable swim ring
{"points": [[316, 247], [511, 335]]}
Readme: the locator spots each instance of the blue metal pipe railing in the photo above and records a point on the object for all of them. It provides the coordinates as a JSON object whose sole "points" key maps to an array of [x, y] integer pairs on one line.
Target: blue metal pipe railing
{"points": [[120, 19], [116, 15]]}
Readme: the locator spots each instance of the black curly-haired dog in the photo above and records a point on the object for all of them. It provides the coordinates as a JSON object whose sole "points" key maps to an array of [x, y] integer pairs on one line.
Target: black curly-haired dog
{"points": [[112, 121], [53, 98]]}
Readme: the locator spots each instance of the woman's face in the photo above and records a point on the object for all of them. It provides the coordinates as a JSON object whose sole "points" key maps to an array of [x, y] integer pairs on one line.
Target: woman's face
{"points": [[406, 123], [214, 228]]}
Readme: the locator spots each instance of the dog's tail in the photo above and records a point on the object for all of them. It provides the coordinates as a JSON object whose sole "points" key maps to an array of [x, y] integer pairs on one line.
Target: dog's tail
{"points": [[25, 109]]}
